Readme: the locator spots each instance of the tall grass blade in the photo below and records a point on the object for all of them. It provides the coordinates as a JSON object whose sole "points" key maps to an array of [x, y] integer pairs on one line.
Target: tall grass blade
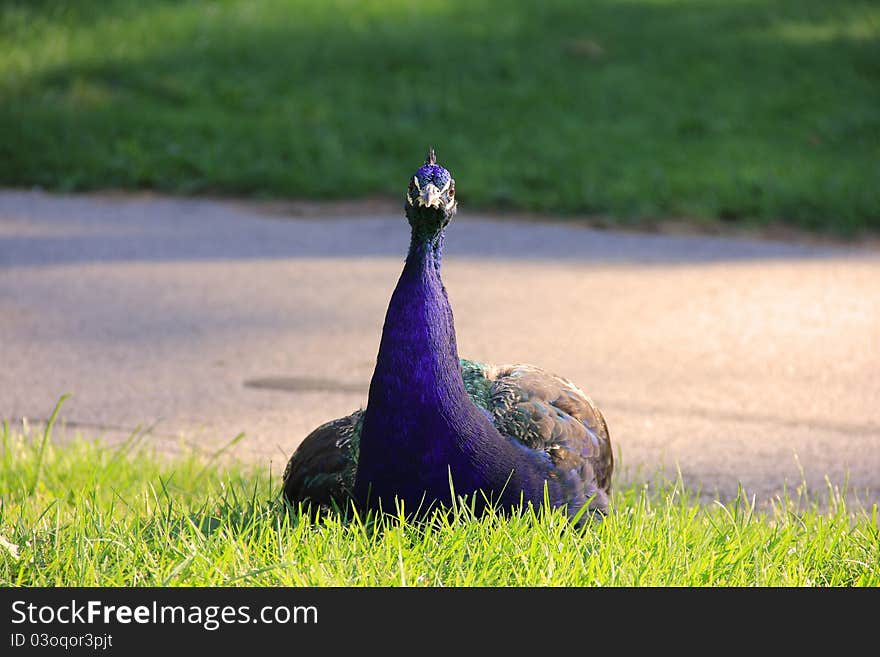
{"points": [[46, 433]]}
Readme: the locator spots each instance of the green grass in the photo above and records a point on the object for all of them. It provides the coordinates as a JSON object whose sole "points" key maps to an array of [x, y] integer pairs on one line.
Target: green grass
{"points": [[87, 514], [744, 110]]}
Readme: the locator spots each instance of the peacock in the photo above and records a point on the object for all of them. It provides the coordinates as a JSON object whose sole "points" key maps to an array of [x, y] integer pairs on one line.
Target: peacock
{"points": [[437, 426]]}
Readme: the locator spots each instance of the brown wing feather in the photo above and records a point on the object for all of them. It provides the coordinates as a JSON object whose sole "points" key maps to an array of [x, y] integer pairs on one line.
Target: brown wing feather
{"points": [[550, 413], [321, 471]]}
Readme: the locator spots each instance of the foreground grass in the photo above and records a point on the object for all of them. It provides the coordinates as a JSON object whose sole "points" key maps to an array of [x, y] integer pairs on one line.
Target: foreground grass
{"points": [[741, 109], [85, 514]]}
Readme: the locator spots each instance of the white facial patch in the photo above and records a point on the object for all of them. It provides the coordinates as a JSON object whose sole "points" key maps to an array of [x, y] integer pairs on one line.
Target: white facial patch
{"points": [[430, 196]]}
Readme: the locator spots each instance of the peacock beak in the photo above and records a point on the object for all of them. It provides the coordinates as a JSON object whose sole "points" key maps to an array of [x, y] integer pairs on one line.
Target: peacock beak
{"points": [[430, 196]]}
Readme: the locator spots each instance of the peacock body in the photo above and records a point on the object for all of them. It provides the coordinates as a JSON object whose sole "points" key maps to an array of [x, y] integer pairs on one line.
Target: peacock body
{"points": [[435, 423]]}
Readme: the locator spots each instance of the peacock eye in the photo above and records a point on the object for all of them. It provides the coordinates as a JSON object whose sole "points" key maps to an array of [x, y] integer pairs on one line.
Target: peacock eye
{"points": [[452, 189]]}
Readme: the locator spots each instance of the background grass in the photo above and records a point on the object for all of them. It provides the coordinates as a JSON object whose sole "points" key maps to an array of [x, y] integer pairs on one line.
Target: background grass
{"points": [[86, 514], [746, 110]]}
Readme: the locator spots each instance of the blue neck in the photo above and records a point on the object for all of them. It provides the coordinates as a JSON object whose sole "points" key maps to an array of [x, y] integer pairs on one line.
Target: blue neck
{"points": [[420, 426], [417, 368]]}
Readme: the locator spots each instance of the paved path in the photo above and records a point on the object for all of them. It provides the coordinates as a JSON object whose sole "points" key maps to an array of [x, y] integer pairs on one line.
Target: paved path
{"points": [[727, 358]]}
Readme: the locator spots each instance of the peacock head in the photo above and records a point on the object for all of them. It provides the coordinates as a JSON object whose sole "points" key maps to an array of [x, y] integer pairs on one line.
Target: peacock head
{"points": [[430, 199]]}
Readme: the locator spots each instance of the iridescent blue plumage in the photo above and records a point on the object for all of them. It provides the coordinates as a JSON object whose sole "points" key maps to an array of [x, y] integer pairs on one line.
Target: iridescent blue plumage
{"points": [[433, 173], [505, 435]]}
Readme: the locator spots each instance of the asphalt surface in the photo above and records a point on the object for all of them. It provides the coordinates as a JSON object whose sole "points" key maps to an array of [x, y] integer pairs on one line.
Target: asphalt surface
{"points": [[727, 360]]}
